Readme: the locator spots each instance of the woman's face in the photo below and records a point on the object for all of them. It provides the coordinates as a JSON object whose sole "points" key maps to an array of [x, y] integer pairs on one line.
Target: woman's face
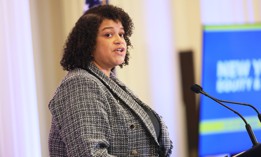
{"points": [[110, 49]]}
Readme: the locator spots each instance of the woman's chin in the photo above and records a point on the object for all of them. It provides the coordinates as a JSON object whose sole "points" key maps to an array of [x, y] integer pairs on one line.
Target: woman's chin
{"points": [[120, 62]]}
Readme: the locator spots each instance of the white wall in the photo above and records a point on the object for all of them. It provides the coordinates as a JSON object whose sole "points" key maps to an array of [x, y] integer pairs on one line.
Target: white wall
{"points": [[19, 121]]}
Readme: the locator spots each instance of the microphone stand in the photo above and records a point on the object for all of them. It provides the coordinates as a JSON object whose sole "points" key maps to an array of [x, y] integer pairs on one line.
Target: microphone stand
{"points": [[248, 127], [255, 151], [244, 104]]}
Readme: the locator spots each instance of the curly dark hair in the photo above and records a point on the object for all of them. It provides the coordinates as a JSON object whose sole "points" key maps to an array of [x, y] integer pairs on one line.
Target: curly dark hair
{"points": [[81, 42]]}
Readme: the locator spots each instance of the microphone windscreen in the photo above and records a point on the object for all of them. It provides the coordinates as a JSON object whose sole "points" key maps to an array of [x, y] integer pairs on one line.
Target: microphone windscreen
{"points": [[196, 88]]}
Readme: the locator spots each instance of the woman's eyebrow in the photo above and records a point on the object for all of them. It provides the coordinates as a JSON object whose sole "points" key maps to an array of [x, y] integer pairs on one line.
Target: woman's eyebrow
{"points": [[108, 27]]}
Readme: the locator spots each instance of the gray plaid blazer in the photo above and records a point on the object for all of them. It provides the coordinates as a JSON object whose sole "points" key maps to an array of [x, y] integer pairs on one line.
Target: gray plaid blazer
{"points": [[94, 115]]}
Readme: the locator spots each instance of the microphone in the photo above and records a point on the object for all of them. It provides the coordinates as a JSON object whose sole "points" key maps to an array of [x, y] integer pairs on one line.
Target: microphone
{"points": [[243, 104], [198, 89]]}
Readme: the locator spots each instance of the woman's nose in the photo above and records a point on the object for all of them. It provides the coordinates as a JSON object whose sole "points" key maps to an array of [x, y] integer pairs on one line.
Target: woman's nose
{"points": [[119, 40]]}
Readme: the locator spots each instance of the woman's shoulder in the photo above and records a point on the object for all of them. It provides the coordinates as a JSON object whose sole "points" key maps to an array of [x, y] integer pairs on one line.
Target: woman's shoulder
{"points": [[78, 78], [79, 74]]}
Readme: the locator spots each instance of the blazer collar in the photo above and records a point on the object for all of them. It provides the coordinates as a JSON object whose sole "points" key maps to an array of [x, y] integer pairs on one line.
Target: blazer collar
{"points": [[123, 93]]}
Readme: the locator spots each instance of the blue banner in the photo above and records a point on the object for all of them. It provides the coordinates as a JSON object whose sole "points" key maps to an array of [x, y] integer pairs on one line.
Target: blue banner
{"points": [[231, 70]]}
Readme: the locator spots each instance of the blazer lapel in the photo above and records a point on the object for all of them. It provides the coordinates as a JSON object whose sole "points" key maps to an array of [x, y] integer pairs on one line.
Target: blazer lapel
{"points": [[121, 91]]}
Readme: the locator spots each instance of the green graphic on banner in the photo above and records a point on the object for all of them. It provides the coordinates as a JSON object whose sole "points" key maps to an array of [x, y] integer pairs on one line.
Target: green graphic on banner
{"points": [[227, 125]]}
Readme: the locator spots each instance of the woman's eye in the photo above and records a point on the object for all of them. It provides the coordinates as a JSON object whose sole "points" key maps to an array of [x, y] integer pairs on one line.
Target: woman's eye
{"points": [[122, 35], [108, 35]]}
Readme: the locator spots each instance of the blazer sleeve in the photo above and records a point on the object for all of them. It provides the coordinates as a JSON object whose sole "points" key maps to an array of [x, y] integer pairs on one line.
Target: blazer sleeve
{"points": [[78, 109]]}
